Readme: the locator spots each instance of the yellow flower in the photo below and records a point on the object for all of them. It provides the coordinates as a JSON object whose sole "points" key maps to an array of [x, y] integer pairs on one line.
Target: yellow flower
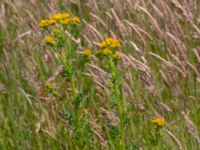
{"points": [[85, 111], [159, 121], [110, 42], [56, 31], [66, 15], [75, 20], [65, 21], [106, 52], [87, 53], [49, 40], [44, 23], [52, 22], [59, 16], [63, 18], [116, 56], [115, 44], [49, 85]]}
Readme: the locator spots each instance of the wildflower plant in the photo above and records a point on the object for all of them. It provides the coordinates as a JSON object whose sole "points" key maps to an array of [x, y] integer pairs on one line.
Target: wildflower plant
{"points": [[64, 47], [86, 57], [157, 133], [108, 53], [51, 89], [158, 121]]}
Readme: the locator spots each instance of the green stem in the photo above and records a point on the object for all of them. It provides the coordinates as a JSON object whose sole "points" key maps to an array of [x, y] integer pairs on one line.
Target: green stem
{"points": [[68, 50], [116, 80]]}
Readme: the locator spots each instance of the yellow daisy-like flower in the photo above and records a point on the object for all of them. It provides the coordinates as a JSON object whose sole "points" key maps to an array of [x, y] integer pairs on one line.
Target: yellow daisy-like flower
{"points": [[115, 44], [85, 111], [59, 16], [66, 15], [75, 20], [49, 85], [44, 23], [56, 31], [52, 22], [49, 40], [65, 21], [110, 42], [106, 52], [87, 53], [159, 121], [116, 56]]}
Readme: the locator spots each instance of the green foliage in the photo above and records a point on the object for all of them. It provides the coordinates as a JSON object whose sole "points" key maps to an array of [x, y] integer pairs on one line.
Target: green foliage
{"points": [[61, 96]]}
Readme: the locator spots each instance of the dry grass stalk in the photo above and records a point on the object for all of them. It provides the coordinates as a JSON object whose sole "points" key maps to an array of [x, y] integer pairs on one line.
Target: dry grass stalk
{"points": [[96, 129], [194, 69], [197, 54], [139, 31], [121, 26], [176, 141], [186, 15], [100, 20], [168, 63], [153, 22], [165, 107], [109, 117], [145, 71], [94, 30], [191, 127], [57, 71], [133, 27], [98, 82]]}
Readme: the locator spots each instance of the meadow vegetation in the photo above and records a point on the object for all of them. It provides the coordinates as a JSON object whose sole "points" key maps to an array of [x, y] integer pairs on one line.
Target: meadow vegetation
{"points": [[99, 74]]}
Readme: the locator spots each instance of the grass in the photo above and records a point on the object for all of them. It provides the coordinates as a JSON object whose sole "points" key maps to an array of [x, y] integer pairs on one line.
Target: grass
{"points": [[160, 77]]}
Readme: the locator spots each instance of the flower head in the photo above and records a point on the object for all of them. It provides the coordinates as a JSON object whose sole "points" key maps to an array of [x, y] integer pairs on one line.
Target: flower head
{"points": [[85, 111], [159, 121], [106, 52], [60, 16], [56, 32], [75, 20], [44, 23], [110, 42], [49, 40], [87, 53], [116, 56], [49, 85], [52, 21], [65, 21]]}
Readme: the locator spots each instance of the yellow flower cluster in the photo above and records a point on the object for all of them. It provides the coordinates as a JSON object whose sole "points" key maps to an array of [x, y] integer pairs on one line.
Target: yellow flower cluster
{"points": [[75, 20], [108, 48], [106, 52], [45, 23], [60, 16], [65, 21], [85, 111], [87, 53], [116, 56], [56, 31], [110, 42], [159, 121], [49, 85], [49, 40], [63, 18]]}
